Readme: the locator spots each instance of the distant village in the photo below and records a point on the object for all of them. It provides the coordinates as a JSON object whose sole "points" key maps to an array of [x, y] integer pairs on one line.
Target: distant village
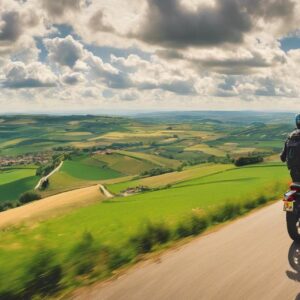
{"points": [[39, 158], [103, 152], [26, 159]]}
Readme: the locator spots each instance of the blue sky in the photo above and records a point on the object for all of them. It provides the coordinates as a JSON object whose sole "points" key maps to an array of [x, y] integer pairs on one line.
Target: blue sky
{"points": [[290, 43]]}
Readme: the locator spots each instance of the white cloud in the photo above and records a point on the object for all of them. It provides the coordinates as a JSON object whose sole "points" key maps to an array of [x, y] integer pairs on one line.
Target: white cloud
{"points": [[19, 22], [34, 75], [72, 78], [60, 8], [64, 51]]}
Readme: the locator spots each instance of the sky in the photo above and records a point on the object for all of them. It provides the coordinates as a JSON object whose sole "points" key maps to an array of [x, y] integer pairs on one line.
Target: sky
{"points": [[98, 56]]}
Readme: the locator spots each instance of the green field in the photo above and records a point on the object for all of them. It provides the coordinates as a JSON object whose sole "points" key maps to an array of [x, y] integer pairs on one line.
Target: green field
{"points": [[154, 159], [206, 149], [126, 163], [114, 221], [15, 181], [78, 172], [87, 170], [170, 178]]}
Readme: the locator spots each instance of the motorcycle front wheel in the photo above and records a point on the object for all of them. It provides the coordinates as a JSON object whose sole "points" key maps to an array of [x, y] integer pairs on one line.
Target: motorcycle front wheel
{"points": [[292, 221]]}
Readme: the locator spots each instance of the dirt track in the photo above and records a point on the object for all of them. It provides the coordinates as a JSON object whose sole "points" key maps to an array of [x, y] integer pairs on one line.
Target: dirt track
{"points": [[105, 191], [53, 205], [247, 259], [48, 176]]}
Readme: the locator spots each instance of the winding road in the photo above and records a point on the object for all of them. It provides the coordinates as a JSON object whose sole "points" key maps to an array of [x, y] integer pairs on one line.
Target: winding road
{"points": [[247, 259], [105, 191], [48, 176]]}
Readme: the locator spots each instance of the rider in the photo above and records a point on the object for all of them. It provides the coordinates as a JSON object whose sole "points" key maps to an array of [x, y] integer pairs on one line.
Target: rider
{"points": [[291, 152]]}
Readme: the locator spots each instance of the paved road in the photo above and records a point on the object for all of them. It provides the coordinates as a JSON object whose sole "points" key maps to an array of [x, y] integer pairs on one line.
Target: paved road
{"points": [[247, 259]]}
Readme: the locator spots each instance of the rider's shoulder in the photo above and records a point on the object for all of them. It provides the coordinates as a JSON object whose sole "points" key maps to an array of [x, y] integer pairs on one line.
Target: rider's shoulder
{"points": [[295, 133]]}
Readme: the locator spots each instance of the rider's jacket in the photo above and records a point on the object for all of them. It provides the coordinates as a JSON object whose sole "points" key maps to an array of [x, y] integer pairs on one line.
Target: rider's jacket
{"points": [[294, 135]]}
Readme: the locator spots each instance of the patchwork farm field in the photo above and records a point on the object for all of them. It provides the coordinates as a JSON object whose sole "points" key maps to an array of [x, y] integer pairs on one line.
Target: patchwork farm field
{"points": [[88, 170], [136, 145], [154, 159], [126, 163]]}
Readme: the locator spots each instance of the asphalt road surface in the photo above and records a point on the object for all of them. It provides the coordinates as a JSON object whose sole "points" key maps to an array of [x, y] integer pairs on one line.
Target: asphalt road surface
{"points": [[247, 259]]}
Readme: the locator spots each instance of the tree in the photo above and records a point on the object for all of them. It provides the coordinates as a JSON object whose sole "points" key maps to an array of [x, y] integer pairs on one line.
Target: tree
{"points": [[45, 184], [29, 197], [243, 161]]}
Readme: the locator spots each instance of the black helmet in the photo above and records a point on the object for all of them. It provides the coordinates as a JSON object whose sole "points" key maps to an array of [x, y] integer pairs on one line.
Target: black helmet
{"points": [[298, 121]]}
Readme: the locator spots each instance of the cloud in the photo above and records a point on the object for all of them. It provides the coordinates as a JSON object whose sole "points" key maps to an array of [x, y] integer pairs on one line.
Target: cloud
{"points": [[150, 74], [271, 9], [64, 51], [10, 26], [179, 87], [18, 19], [189, 53], [129, 96], [72, 78], [57, 8], [34, 75], [109, 75], [26, 50], [234, 65], [172, 24], [20, 23], [169, 54], [98, 23]]}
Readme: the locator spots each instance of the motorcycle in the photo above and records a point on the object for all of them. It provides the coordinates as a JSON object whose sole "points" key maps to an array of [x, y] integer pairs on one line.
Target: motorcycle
{"points": [[291, 205]]}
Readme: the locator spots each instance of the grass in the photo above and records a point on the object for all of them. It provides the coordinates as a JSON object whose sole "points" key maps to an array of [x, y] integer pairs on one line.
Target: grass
{"points": [[170, 178], [86, 170], [113, 223], [155, 159], [89, 171], [12, 142], [14, 182], [206, 149], [135, 135], [13, 174], [61, 182], [126, 164], [80, 172]]}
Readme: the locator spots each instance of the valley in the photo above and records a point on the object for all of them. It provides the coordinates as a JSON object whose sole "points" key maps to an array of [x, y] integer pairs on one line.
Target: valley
{"points": [[129, 186]]}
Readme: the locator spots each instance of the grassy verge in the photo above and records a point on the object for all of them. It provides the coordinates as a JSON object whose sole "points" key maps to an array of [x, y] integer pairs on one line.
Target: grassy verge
{"points": [[53, 269]]}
